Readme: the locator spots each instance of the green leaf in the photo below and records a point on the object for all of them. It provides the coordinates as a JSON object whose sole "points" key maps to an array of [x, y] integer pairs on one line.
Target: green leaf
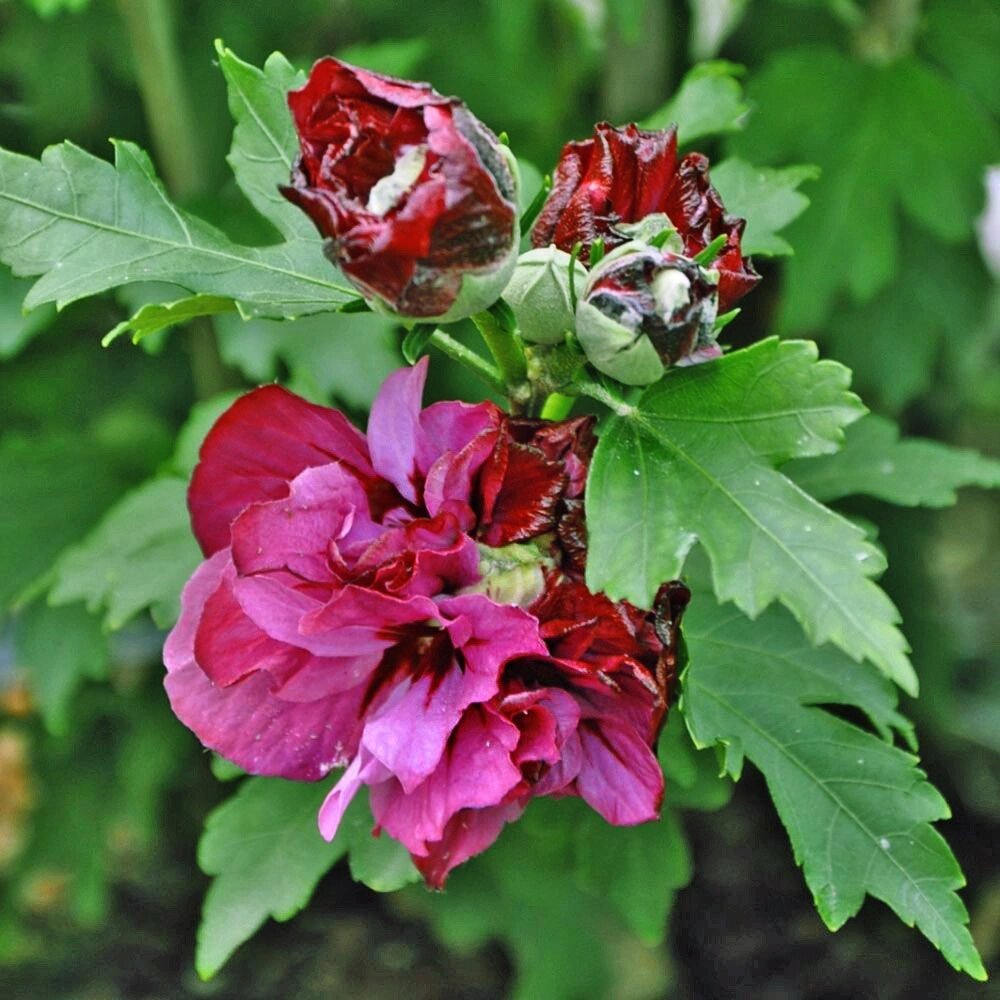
{"points": [[59, 648], [768, 199], [875, 133], [928, 313], [154, 317], [86, 226], [695, 459], [651, 861], [856, 808], [964, 37], [16, 329], [267, 856], [541, 891], [708, 102], [264, 140], [344, 355], [139, 556], [380, 863], [912, 472], [692, 775], [52, 490]]}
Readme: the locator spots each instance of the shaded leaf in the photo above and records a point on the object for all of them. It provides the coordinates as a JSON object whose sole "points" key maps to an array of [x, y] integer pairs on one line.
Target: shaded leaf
{"points": [[58, 649], [911, 472], [52, 490], [930, 312], [16, 329], [856, 808], [875, 132], [708, 102], [138, 557], [768, 199], [346, 356]]}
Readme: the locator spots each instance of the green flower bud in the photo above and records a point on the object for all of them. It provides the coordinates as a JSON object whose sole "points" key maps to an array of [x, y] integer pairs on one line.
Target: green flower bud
{"points": [[539, 293]]}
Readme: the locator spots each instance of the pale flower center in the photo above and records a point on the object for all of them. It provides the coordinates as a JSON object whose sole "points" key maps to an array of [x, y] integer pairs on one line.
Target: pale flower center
{"points": [[671, 290], [388, 192], [513, 574]]}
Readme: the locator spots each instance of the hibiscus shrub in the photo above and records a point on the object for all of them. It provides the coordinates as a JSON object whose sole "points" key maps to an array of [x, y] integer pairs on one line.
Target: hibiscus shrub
{"points": [[406, 638]]}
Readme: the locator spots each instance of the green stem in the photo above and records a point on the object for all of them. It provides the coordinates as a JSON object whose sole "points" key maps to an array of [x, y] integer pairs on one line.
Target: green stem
{"points": [[149, 26], [506, 351], [557, 406], [448, 345]]}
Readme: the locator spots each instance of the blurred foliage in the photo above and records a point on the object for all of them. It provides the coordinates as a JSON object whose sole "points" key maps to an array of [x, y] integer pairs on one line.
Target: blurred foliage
{"points": [[895, 103]]}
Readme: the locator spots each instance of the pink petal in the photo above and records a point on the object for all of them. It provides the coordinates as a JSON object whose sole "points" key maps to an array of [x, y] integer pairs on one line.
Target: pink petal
{"points": [[394, 433], [408, 733], [358, 621], [488, 635], [619, 777], [228, 645], [466, 834], [363, 770], [245, 722], [262, 441], [475, 771], [324, 503]]}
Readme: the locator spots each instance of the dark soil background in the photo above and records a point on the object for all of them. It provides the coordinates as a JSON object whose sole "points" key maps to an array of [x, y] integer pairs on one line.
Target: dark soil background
{"points": [[745, 927]]}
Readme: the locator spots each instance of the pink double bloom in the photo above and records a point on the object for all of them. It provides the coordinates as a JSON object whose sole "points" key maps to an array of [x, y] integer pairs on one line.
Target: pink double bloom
{"points": [[411, 605]]}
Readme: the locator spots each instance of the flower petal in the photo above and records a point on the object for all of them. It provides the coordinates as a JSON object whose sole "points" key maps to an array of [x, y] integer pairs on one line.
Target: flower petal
{"points": [[619, 775], [263, 440], [475, 771]]}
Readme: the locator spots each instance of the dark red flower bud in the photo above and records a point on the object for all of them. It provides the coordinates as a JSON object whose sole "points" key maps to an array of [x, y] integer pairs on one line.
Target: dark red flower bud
{"points": [[645, 309], [623, 175], [417, 197]]}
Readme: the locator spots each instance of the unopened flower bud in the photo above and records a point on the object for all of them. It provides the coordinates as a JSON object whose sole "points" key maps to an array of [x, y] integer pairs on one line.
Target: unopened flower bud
{"points": [[645, 309], [539, 293], [417, 198]]}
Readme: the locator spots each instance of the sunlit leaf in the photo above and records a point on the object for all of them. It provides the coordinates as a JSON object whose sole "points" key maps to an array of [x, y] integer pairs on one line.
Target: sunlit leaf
{"points": [[694, 460]]}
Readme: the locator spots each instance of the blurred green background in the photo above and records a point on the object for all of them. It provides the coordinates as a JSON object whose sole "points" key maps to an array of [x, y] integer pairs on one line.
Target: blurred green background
{"points": [[102, 793]]}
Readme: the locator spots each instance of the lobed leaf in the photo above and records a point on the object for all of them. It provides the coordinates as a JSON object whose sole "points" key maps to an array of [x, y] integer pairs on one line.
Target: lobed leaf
{"points": [[264, 139], [83, 226], [709, 101], [264, 848], [694, 460], [768, 199], [875, 133], [858, 811], [139, 556], [911, 472]]}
